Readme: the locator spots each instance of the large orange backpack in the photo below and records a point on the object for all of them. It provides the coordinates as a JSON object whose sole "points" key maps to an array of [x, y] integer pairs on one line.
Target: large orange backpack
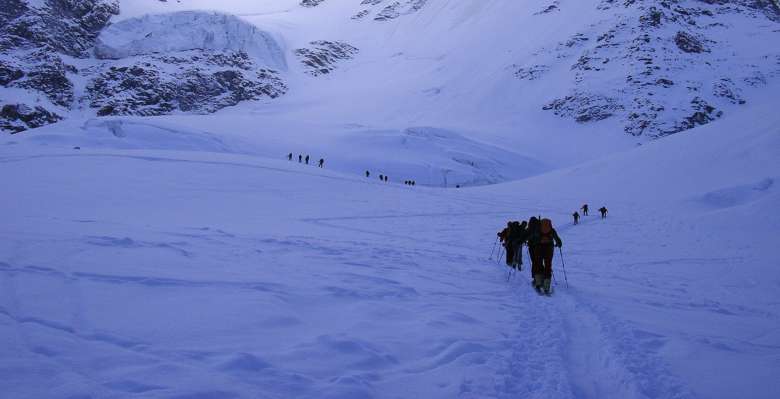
{"points": [[545, 230]]}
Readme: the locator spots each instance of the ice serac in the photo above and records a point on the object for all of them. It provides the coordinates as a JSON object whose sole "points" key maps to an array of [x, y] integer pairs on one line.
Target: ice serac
{"points": [[188, 30]]}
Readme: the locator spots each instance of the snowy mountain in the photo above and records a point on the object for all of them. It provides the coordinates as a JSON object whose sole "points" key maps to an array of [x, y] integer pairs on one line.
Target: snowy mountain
{"points": [[649, 68]]}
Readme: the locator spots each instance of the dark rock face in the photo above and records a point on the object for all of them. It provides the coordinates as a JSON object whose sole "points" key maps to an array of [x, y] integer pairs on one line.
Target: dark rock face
{"points": [[689, 43], [389, 9], [311, 3], [66, 26], [19, 117], [9, 73], [32, 40], [703, 113], [204, 83], [323, 56], [46, 73], [585, 107]]}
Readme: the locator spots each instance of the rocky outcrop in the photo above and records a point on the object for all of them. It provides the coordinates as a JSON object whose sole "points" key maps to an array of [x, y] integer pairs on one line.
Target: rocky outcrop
{"points": [[689, 43], [45, 73], [15, 118], [585, 107], [311, 3], [672, 66], [198, 82], [385, 10], [65, 26], [323, 56]]}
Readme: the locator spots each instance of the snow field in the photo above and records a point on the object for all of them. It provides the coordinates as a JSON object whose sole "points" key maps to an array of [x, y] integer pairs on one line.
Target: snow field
{"points": [[131, 268]]}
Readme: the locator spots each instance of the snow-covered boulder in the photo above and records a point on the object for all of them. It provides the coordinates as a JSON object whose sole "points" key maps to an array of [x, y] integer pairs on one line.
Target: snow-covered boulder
{"points": [[189, 30]]}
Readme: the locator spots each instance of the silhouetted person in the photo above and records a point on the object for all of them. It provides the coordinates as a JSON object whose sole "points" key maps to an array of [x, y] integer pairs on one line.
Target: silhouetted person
{"points": [[381, 177], [289, 157], [300, 158], [322, 161], [603, 211], [385, 179], [307, 160], [576, 216], [414, 183], [585, 209], [368, 174], [542, 240], [457, 186]]}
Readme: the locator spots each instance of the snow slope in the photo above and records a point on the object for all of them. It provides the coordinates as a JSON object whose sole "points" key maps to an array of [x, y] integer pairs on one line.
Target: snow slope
{"points": [[179, 266]]}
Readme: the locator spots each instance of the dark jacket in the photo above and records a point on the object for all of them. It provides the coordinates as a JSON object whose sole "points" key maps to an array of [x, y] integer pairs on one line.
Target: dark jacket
{"points": [[518, 234]]}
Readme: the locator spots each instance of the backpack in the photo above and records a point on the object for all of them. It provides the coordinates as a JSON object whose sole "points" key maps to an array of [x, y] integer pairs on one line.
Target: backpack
{"points": [[545, 231]]}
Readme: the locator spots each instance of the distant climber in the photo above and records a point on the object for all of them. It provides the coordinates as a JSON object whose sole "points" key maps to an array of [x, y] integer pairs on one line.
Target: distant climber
{"points": [[585, 210], [603, 211], [289, 157], [542, 240], [385, 179], [368, 174], [307, 160], [381, 177], [300, 158], [576, 216], [322, 161]]}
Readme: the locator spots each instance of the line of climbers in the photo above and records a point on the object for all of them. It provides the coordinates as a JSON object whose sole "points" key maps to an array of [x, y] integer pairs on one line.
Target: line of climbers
{"points": [[541, 238], [302, 159], [603, 210], [385, 178], [321, 163]]}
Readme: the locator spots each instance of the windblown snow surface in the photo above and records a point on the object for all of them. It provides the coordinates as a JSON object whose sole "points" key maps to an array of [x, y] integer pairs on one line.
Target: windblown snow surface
{"points": [[183, 256]]}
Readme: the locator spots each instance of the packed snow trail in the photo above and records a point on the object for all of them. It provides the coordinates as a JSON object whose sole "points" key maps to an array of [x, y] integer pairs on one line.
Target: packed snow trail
{"points": [[192, 274]]}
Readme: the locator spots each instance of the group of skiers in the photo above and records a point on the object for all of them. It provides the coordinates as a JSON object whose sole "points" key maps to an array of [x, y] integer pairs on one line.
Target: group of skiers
{"points": [[302, 159], [321, 163], [576, 215], [381, 177], [384, 178], [541, 239]]}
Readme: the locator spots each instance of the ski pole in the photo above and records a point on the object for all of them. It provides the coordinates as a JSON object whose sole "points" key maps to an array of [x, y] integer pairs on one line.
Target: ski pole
{"points": [[493, 250], [498, 259], [560, 250]]}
